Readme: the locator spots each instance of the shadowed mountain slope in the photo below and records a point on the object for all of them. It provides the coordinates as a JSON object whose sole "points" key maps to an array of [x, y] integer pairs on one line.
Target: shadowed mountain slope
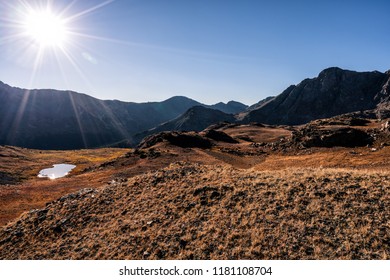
{"points": [[52, 119], [196, 118], [333, 92]]}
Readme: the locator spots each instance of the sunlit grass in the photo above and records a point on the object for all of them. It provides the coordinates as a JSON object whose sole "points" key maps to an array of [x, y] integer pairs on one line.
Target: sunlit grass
{"points": [[194, 211]]}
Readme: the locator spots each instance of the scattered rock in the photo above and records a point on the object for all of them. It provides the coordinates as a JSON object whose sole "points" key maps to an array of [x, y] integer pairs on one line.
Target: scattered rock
{"points": [[336, 137], [146, 254], [308, 213], [182, 243], [385, 126]]}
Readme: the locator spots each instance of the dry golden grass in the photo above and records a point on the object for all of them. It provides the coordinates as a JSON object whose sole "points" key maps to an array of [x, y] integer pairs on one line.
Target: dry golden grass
{"points": [[26, 163], [29, 192], [357, 158], [193, 211], [233, 201], [258, 133]]}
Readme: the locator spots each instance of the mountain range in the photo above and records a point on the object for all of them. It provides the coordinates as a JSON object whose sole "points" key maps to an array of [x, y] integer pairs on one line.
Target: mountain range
{"points": [[53, 119]]}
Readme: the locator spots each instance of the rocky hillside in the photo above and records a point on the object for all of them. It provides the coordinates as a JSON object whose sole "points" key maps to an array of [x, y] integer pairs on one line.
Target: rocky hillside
{"points": [[383, 109], [52, 119], [192, 211], [333, 92], [196, 118]]}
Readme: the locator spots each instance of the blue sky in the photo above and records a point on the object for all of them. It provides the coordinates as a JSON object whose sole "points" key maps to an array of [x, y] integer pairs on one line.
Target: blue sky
{"points": [[211, 51]]}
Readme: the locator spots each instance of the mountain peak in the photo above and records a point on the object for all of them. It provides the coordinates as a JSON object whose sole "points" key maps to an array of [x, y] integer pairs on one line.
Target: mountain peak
{"points": [[332, 69], [178, 98], [232, 107], [334, 92], [234, 103], [195, 118]]}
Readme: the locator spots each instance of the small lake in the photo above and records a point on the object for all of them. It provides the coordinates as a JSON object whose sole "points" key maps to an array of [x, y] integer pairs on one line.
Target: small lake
{"points": [[57, 171]]}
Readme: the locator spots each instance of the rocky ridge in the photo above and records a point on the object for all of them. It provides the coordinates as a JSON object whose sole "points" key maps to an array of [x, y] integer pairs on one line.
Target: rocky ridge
{"points": [[334, 92]]}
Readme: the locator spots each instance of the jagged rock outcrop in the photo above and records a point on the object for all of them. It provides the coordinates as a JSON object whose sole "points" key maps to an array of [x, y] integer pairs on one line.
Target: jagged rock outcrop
{"points": [[333, 92], [310, 136], [383, 108]]}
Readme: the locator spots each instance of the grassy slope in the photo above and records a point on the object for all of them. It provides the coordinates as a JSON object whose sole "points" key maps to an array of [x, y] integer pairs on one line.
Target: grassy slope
{"points": [[28, 192], [192, 211], [232, 201]]}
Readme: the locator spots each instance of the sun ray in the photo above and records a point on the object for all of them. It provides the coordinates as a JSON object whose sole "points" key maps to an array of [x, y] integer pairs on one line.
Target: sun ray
{"points": [[19, 115], [186, 52], [10, 38], [79, 123], [61, 67], [76, 67], [63, 12], [87, 11], [37, 63], [26, 34]]}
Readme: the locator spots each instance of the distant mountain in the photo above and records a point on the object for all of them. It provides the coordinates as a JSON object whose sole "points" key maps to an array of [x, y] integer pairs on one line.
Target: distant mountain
{"points": [[52, 119], [232, 107], [196, 118], [333, 92]]}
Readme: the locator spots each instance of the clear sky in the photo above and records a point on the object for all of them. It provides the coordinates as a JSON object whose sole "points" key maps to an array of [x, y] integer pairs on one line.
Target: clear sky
{"points": [[208, 50]]}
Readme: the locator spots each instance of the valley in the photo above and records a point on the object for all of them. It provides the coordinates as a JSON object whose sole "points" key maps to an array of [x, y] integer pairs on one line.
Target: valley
{"points": [[194, 130], [229, 192]]}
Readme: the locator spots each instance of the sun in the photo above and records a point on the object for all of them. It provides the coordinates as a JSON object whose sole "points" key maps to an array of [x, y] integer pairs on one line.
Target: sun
{"points": [[44, 35], [46, 28]]}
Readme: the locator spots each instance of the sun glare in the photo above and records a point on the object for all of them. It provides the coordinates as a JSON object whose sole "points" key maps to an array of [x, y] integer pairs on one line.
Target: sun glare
{"points": [[46, 28], [43, 33]]}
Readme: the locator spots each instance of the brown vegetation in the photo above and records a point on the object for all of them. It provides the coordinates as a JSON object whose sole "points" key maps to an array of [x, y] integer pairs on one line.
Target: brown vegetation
{"points": [[192, 211], [22, 190], [262, 196]]}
